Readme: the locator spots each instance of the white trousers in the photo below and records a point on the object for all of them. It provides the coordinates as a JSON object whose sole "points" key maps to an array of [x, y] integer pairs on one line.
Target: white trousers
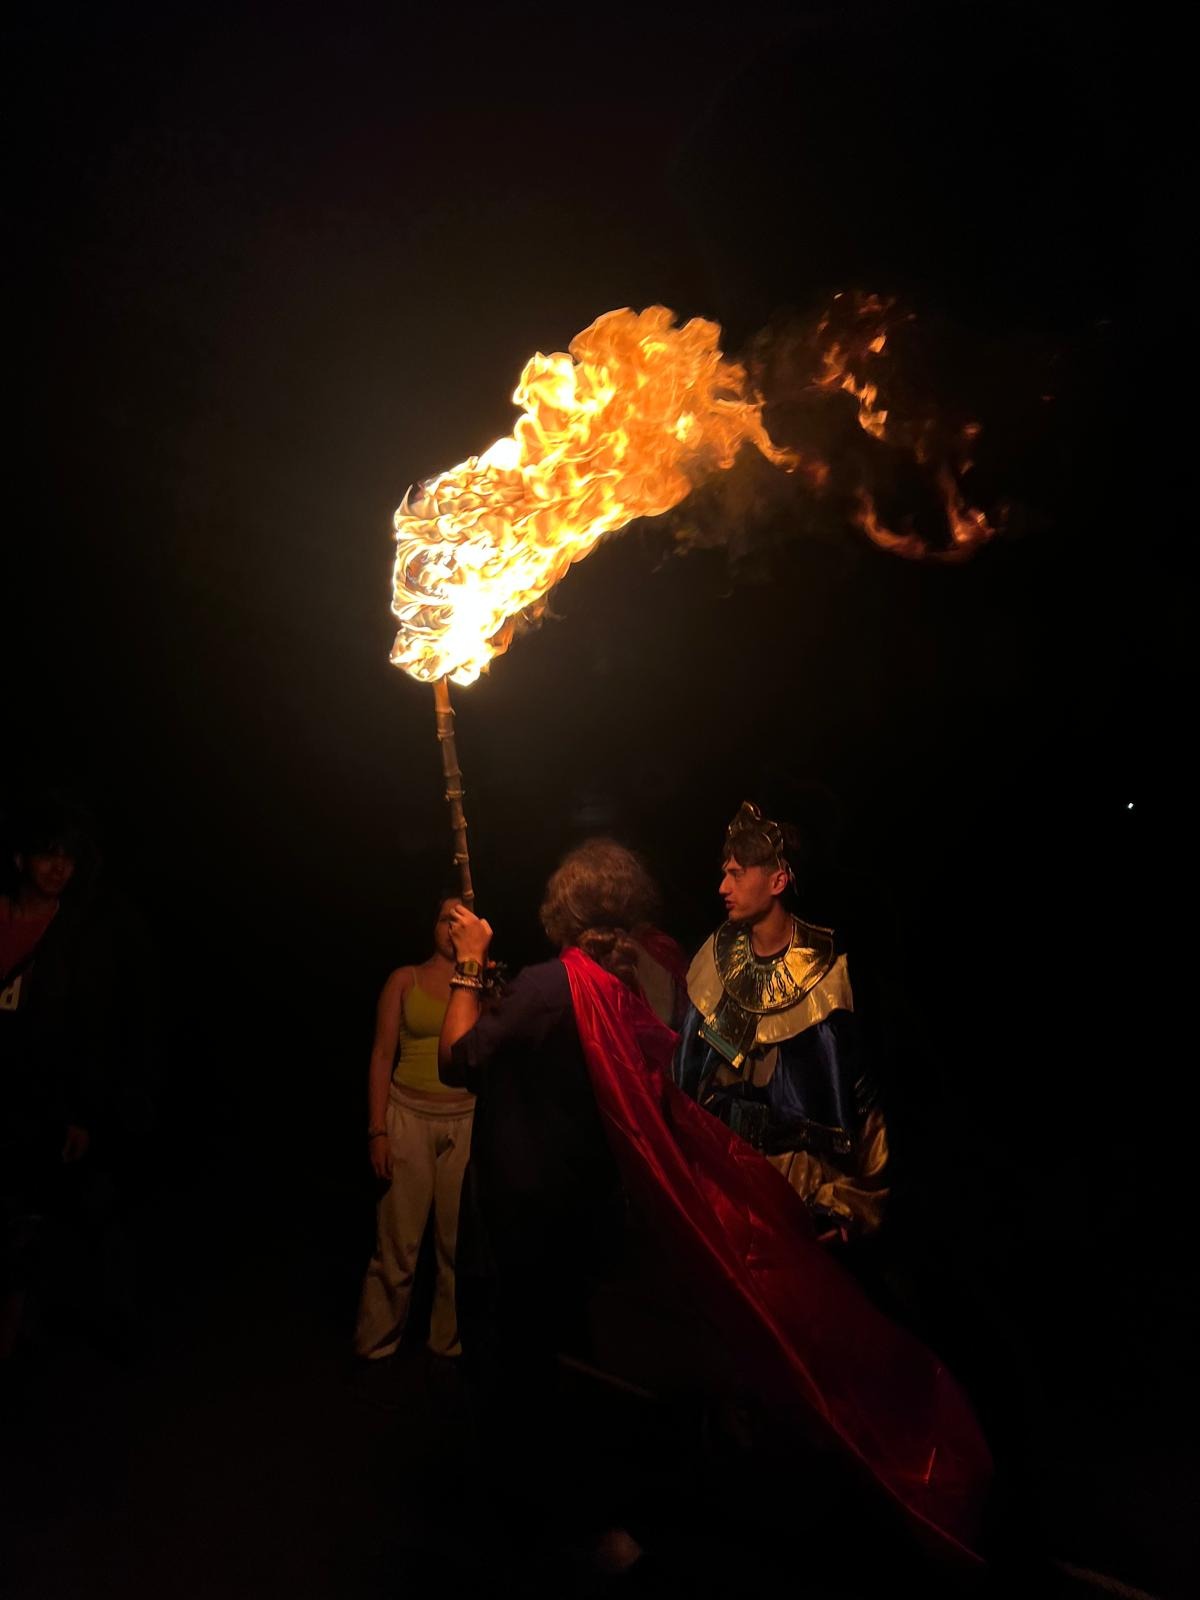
{"points": [[429, 1145]]}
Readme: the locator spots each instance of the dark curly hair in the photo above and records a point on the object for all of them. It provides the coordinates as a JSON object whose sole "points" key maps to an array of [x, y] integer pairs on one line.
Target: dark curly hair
{"points": [[596, 896]]}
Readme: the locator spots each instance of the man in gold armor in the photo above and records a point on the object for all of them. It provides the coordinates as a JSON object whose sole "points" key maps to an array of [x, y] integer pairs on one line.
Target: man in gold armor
{"points": [[770, 1042]]}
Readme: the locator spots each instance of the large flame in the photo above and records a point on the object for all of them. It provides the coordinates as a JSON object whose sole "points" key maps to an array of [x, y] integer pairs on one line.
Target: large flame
{"points": [[626, 425], [623, 426]]}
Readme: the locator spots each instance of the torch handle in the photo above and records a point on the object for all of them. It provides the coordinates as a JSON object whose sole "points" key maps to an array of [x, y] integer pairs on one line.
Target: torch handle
{"points": [[454, 789]]}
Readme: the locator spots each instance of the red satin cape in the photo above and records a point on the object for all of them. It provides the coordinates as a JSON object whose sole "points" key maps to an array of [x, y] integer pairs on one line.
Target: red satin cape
{"points": [[803, 1328], [663, 949]]}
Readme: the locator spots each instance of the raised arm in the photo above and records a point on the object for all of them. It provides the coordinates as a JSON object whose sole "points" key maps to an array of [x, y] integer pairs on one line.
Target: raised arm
{"points": [[472, 938]]}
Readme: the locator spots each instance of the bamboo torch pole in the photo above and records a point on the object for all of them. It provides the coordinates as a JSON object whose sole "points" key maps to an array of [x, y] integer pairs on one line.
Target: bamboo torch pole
{"points": [[454, 789]]}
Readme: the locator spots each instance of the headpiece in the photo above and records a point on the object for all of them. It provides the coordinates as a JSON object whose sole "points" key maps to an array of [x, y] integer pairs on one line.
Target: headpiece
{"points": [[749, 819]]}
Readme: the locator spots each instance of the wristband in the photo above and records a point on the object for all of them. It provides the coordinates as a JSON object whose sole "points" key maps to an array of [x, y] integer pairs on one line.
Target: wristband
{"points": [[376, 1133], [468, 969]]}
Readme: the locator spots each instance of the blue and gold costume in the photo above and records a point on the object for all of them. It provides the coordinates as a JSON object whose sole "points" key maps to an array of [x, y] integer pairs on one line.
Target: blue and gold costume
{"points": [[770, 1044]]}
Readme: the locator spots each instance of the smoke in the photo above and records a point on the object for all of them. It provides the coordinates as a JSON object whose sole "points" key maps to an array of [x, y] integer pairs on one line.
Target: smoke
{"points": [[911, 430]]}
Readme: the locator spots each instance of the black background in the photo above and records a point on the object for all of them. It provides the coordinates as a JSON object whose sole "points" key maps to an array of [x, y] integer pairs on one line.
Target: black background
{"points": [[271, 268]]}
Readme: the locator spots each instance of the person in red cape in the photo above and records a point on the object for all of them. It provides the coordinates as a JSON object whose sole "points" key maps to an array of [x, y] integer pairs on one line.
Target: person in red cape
{"points": [[575, 1045], [543, 1212]]}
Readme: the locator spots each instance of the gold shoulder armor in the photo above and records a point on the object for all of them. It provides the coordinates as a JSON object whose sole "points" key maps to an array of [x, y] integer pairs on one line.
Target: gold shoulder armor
{"points": [[746, 1002], [776, 984]]}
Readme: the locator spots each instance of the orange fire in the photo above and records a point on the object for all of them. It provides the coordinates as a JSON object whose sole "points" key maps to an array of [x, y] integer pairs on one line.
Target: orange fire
{"points": [[854, 333], [836, 358], [624, 425]]}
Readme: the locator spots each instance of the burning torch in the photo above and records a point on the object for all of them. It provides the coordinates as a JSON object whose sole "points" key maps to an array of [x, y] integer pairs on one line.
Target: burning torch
{"points": [[623, 425], [444, 712]]}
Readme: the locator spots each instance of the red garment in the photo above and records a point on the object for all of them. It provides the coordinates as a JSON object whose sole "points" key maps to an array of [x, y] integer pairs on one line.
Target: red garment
{"points": [[662, 948], [19, 937], [804, 1328]]}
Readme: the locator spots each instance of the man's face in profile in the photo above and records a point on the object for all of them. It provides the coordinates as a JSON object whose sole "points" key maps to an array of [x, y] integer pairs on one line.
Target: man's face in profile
{"points": [[750, 892]]}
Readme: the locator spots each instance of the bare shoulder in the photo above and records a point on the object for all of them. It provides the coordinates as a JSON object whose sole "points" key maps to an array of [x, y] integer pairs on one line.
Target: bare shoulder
{"points": [[397, 986]]}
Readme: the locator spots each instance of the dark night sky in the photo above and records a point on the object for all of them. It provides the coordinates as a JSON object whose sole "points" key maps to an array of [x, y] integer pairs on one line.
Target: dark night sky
{"points": [[272, 268], [270, 265]]}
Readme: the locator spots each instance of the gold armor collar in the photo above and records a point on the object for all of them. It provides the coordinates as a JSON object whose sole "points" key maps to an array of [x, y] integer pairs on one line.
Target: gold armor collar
{"points": [[773, 983], [747, 1003]]}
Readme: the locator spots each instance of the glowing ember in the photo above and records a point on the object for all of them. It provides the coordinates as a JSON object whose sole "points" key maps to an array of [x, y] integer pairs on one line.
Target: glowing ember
{"points": [[623, 426], [835, 359], [854, 337]]}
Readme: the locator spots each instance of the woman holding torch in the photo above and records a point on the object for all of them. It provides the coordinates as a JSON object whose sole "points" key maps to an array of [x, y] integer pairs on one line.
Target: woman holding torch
{"points": [[543, 1209]]}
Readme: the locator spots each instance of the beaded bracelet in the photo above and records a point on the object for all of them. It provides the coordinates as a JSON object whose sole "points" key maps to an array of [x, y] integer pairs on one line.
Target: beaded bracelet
{"points": [[466, 983]]}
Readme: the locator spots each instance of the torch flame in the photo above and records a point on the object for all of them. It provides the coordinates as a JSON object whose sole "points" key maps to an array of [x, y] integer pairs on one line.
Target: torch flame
{"points": [[861, 339], [624, 425]]}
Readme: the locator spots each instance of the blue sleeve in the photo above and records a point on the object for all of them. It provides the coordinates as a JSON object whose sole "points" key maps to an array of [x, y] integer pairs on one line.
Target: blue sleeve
{"points": [[693, 1060], [819, 1077]]}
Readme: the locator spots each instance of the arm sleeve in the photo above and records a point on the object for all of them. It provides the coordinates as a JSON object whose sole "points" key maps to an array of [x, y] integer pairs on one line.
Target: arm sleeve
{"points": [[849, 1190], [857, 1198], [525, 1016]]}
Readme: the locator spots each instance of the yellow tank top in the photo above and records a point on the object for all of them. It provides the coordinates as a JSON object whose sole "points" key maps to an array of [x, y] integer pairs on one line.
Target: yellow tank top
{"points": [[416, 1058]]}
